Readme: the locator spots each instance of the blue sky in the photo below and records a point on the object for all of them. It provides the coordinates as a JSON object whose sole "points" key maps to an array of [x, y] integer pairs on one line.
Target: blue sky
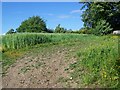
{"points": [[68, 14]]}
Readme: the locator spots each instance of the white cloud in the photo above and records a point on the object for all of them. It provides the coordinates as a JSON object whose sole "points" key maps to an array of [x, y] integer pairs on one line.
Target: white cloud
{"points": [[64, 16], [76, 11]]}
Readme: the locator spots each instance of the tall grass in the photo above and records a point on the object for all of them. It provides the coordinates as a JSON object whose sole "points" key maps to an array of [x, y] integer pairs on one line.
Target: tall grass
{"points": [[17, 41]]}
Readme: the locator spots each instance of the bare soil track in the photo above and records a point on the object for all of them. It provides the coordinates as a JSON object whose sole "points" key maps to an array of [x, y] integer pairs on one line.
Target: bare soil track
{"points": [[43, 70]]}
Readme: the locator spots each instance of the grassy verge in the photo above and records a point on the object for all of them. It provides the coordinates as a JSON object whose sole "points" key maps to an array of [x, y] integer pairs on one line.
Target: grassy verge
{"points": [[97, 64]]}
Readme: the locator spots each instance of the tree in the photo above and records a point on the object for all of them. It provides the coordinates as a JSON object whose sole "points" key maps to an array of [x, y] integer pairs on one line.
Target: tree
{"points": [[32, 24], [59, 29], [102, 28], [11, 31], [96, 11]]}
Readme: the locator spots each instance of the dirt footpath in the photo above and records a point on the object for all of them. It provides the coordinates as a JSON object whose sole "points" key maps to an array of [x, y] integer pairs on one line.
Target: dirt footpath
{"points": [[41, 71]]}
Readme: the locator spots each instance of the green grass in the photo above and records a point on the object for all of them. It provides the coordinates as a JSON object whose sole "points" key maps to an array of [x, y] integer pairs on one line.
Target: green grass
{"points": [[17, 41], [98, 63]]}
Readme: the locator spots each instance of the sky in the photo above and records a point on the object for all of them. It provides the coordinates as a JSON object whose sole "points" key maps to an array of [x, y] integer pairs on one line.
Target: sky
{"points": [[68, 14]]}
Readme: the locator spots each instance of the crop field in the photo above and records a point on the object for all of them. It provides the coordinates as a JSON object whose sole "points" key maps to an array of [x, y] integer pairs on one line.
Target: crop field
{"points": [[60, 60]]}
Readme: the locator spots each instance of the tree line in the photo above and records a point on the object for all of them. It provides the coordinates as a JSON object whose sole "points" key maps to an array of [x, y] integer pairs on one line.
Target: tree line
{"points": [[37, 24], [100, 18]]}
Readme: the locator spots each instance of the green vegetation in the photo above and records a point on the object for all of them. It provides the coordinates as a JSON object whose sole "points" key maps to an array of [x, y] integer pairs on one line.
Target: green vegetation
{"points": [[60, 29], [97, 11], [98, 63], [16, 41], [102, 28]]}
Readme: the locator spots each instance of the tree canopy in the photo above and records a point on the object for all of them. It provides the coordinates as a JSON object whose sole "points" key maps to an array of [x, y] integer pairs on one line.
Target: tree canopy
{"points": [[96, 11], [33, 24]]}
